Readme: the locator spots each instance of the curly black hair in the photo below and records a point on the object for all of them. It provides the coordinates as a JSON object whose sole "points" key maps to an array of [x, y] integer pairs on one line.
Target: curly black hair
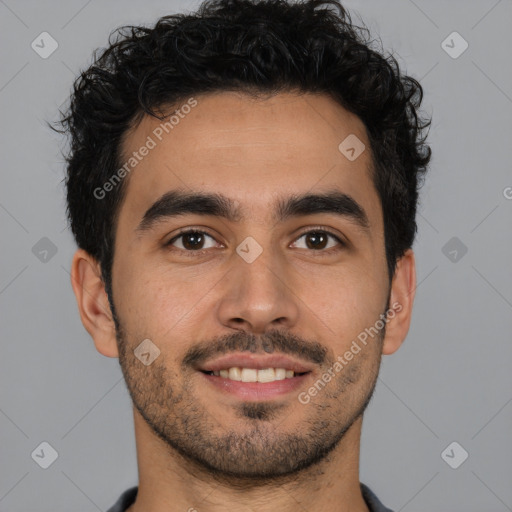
{"points": [[257, 47]]}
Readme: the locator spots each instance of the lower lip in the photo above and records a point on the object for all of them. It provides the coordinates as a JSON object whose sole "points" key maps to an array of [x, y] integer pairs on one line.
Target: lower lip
{"points": [[256, 390]]}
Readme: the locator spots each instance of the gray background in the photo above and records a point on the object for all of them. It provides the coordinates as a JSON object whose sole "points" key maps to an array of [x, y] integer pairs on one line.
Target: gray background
{"points": [[450, 381]]}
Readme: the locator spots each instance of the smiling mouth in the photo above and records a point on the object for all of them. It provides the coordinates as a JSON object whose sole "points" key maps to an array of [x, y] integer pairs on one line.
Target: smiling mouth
{"points": [[255, 375]]}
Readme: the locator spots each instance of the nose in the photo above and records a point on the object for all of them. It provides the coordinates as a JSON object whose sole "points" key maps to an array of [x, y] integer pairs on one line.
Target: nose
{"points": [[258, 296]]}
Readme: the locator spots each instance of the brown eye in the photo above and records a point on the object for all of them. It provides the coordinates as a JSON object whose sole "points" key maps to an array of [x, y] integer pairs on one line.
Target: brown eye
{"points": [[191, 241], [318, 240]]}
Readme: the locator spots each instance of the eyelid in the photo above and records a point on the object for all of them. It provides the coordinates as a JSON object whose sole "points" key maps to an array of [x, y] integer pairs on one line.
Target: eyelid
{"points": [[186, 231], [314, 229], [202, 230]]}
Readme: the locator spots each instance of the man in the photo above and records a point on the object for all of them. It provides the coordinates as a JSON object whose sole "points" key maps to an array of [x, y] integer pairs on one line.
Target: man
{"points": [[242, 185]]}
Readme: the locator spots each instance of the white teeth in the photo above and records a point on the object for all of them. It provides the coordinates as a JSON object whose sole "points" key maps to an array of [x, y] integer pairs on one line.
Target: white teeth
{"points": [[235, 373], [266, 375], [280, 373], [253, 375], [249, 375]]}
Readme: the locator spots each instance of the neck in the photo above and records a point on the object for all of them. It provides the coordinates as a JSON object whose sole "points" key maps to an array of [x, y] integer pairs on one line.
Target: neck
{"points": [[168, 482]]}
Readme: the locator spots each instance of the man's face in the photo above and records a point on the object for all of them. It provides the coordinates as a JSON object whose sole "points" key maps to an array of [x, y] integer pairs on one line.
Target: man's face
{"points": [[303, 299]]}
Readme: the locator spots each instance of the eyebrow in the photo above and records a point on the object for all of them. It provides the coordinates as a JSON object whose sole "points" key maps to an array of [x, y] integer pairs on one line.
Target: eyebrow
{"points": [[175, 203]]}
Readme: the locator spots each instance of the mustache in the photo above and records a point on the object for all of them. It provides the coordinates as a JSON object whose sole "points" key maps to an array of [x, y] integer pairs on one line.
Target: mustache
{"points": [[271, 341]]}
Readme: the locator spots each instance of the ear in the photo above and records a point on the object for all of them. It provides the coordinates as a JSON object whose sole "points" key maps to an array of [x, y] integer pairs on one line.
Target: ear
{"points": [[93, 302], [403, 288]]}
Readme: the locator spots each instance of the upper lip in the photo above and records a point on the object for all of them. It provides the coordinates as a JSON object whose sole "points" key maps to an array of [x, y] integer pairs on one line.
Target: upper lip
{"points": [[257, 361]]}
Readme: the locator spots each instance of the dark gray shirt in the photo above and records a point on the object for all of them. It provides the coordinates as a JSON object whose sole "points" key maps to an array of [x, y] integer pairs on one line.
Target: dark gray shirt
{"points": [[128, 498]]}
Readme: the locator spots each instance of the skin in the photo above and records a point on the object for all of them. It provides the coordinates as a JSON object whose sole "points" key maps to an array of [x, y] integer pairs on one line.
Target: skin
{"points": [[196, 446]]}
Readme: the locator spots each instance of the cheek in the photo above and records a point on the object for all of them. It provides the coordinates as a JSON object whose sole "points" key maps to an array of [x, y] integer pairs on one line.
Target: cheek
{"points": [[163, 306], [345, 304]]}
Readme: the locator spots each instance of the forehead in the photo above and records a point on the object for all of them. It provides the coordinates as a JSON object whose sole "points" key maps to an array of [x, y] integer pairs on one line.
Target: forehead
{"points": [[252, 150]]}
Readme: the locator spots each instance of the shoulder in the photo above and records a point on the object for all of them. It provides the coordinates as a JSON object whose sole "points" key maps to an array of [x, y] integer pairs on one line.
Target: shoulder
{"points": [[373, 503], [125, 500]]}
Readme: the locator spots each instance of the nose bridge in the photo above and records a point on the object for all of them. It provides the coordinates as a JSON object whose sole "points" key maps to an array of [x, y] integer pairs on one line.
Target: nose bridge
{"points": [[258, 296], [261, 274]]}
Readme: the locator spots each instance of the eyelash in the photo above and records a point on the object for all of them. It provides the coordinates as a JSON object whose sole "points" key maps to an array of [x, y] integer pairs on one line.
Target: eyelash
{"points": [[318, 229]]}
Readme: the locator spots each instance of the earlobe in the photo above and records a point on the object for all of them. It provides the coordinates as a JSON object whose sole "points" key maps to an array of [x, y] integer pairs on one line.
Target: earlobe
{"points": [[403, 288], [92, 302]]}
